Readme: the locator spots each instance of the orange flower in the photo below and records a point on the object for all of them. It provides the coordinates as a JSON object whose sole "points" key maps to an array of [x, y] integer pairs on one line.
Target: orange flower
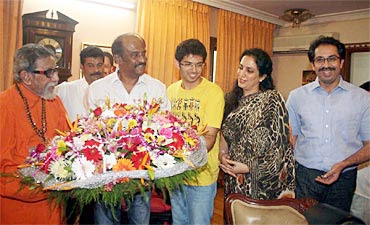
{"points": [[120, 112], [123, 165]]}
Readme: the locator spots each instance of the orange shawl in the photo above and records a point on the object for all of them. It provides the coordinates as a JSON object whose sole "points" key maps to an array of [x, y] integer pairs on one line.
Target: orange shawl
{"points": [[16, 137]]}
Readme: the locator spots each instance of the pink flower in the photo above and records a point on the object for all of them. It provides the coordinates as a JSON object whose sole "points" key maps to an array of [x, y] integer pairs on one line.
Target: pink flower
{"points": [[167, 132], [131, 143]]}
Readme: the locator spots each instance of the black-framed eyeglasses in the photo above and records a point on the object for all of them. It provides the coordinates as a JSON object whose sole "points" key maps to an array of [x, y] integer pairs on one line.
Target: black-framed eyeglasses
{"points": [[48, 73], [188, 65], [321, 60]]}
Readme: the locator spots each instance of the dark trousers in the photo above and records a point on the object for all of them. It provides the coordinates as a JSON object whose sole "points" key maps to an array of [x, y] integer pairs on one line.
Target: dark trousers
{"points": [[75, 215], [339, 194]]}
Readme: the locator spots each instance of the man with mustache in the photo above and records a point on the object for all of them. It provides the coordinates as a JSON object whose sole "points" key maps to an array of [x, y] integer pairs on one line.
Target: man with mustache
{"points": [[73, 96], [73, 93], [29, 114], [330, 124], [127, 84]]}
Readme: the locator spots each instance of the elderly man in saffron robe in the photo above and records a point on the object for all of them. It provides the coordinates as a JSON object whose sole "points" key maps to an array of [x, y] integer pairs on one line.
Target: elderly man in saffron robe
{"points": [[29, 114]]}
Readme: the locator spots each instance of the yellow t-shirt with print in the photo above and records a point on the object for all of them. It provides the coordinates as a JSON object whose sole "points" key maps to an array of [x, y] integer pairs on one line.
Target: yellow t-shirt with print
{"points": [[201, 106]]}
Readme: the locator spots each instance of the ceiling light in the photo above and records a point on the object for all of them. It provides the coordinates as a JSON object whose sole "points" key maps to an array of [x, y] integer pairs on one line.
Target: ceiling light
{"points": [[297, 16]]}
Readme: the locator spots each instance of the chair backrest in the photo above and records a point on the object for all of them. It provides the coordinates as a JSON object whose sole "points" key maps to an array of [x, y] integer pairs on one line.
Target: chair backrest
{"points": [[240, 209]]}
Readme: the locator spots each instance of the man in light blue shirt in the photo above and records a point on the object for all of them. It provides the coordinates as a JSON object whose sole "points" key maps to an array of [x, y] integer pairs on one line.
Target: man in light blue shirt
{"points": [[330, 124]]}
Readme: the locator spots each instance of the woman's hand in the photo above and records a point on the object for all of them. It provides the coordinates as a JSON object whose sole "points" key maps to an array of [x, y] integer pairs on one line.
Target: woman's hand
{"points": [[232, 167]]}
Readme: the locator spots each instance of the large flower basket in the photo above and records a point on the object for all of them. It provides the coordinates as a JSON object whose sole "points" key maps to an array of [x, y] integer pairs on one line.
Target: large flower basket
{"points": [[116, 152]]}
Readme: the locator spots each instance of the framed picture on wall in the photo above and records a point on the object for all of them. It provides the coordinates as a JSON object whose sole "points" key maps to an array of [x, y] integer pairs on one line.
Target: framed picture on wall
{"points": [[103, 47], [308, 76]]}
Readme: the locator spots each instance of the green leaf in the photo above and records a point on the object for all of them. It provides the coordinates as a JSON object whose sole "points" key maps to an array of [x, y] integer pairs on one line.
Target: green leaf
{"points": [[151, 174]]}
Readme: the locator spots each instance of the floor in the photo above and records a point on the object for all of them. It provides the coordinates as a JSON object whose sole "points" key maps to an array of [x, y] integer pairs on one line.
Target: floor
{"points": [[218, 208]]}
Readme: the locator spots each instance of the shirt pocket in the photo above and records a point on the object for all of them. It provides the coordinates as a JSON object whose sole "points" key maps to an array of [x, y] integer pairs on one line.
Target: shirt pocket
{"points": [[311, 123]]}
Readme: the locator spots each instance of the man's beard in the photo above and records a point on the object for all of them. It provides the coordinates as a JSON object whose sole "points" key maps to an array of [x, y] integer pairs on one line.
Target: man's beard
{"points": [[49, 91]]}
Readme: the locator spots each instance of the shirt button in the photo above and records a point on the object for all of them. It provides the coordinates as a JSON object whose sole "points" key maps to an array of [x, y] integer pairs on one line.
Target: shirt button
{"points": [[326, 141], [326, 126], [327, 111]]}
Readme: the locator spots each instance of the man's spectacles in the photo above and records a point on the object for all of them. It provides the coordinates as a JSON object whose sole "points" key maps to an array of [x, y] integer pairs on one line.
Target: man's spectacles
{"points": [[188, 65], [321, 60], [48, 73]]}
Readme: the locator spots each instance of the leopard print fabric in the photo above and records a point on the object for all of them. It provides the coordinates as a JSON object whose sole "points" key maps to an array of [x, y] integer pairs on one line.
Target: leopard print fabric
{"points": [[257, 133]]}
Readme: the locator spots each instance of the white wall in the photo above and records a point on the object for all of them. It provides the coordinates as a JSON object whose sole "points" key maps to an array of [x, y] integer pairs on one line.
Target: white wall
{"points": [[288, 68], [98, 24]]}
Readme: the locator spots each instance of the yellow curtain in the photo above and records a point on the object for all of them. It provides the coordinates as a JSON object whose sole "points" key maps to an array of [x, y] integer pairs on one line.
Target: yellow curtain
{"points": [[10, 38], [235, 34], [164, 24]]}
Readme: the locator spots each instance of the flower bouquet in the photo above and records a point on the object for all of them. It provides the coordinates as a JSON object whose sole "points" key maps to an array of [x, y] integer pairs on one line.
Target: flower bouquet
{"points": [[115, 152]]}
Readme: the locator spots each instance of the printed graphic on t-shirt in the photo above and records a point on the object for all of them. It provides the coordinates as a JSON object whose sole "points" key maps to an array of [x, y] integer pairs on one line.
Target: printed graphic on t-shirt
{"points": [[187, 109]]}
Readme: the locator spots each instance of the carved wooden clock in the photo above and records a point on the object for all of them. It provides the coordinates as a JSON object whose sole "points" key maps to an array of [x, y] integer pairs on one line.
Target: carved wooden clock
{"points": [[56, 35]]}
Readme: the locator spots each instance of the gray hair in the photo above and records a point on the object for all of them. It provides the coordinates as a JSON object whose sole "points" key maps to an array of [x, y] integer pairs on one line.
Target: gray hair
{"points": [[25, 58]]}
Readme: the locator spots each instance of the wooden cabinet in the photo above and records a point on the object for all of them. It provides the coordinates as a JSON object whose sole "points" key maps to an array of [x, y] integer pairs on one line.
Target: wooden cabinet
{"points": [[56, 34]]}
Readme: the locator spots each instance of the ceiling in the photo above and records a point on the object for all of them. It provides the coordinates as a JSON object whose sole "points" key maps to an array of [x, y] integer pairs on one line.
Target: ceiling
{"points": [[270, 10]]}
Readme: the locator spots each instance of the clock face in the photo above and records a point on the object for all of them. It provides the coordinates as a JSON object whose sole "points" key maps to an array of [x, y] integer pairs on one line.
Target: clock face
{"points": [[54, 45]]}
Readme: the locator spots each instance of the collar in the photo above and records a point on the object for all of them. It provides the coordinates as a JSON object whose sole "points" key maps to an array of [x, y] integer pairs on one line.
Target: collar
{"points": [[142, 79], [342, 84], [84, 82]]}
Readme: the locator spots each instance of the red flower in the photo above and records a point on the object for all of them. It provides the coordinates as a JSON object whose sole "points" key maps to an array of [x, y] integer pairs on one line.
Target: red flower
{"points": [[131, 143], [138, 159], [40, 148], [98, 111], [178, 141], [91, 151], [149, 130]]}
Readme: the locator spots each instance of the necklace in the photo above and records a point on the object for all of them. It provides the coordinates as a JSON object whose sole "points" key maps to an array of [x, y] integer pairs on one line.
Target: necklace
{"points": [[40, 132]]}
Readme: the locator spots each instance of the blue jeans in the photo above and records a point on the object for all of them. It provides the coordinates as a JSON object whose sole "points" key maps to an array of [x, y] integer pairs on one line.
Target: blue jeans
{"points": [[193, 204], [138, 212], [339, 194]]}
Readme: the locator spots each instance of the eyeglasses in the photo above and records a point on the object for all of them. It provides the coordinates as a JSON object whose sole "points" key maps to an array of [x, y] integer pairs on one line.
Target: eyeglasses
{"points": [[48, 73], [188, 65], [321, 60]]}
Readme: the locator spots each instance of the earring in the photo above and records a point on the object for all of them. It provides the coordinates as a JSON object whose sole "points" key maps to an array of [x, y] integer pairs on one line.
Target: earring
{"points": [[260, 81]]}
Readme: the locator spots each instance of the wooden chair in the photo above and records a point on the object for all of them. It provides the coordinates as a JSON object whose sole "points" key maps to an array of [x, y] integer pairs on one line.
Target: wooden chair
{"points": [[240, 209]]}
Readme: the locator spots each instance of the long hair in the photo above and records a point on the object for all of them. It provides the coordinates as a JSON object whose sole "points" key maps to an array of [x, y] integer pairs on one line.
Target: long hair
{"points": [[264, 65]]}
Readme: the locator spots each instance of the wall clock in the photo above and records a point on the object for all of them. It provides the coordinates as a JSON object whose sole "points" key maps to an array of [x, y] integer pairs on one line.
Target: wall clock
{"points": [[54, 46], [55, 34]]}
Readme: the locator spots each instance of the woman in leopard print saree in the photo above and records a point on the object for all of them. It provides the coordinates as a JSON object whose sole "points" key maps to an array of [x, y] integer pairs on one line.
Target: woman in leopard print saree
{"points": [[255, 152]]}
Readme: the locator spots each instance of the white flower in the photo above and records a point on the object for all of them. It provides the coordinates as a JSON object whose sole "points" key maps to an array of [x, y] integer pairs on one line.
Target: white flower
{"points": [[83, 168], [110, 161], [107, 114], [78, 142], [164, 161], [57, 168]]}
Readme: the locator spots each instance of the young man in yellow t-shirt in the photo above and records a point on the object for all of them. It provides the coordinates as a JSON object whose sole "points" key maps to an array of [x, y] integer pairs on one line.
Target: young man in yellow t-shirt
{"points": [[200, 102]]}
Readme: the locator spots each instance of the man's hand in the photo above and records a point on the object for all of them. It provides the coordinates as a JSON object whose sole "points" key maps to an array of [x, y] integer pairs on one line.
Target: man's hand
{"points": [[331, 176]]}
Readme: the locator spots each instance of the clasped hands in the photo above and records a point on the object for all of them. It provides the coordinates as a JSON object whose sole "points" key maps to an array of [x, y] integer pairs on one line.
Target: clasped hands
{"points": [[231, 167]]}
